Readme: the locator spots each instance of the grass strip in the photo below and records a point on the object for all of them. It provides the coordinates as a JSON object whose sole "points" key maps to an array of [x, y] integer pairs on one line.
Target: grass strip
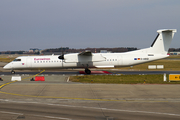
{"points": [[7, 60], [122, 79]]}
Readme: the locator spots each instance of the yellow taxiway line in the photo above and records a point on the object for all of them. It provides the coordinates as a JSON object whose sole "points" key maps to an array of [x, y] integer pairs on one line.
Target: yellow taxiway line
{"points": [[22, 79]]}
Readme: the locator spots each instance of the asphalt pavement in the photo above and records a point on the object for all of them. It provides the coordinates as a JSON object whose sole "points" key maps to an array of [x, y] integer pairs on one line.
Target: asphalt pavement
{"points": [[57, 98]]}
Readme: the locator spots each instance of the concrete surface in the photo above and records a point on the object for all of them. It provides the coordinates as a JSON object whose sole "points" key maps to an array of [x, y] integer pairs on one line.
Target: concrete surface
{"points": [[55, 98]]}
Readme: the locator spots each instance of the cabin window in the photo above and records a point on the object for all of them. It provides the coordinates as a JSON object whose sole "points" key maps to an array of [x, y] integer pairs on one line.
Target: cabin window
{"points": [[150, 54], [17, 60]]}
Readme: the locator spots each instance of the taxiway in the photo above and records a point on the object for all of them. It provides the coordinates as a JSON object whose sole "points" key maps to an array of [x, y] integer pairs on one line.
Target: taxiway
{"points": [[56, 98]]}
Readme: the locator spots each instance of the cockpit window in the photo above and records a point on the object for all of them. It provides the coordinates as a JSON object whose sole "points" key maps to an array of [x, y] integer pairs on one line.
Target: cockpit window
{"points": [[17, 60]]}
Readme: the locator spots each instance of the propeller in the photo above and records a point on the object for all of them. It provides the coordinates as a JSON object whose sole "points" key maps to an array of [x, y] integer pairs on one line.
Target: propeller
{"points": [[61, 57]]}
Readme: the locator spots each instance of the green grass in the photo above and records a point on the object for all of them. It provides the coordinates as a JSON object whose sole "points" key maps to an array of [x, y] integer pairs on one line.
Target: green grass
{"points": [[121, 79], [168, 65], [174, 56], [7, 60], [171, 63]]}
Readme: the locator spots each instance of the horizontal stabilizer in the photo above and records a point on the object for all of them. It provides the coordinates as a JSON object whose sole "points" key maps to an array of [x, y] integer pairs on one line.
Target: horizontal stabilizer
{"points": [[162, 42], [167, 30]]}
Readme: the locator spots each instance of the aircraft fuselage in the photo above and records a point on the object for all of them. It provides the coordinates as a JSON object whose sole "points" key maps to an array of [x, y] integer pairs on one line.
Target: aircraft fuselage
{"points": [[110, 60], [158, 50]]}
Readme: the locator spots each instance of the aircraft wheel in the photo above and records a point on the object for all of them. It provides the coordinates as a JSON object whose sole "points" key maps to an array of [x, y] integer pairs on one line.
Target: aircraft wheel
{"points": [[12, 72], [87, 71]]}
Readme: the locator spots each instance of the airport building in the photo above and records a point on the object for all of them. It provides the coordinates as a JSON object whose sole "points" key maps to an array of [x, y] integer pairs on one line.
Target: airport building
{"points": [[174, 53]]}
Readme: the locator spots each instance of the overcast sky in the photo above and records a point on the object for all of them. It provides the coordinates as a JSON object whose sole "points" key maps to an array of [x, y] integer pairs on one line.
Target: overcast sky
{"points": [[26, 24]]}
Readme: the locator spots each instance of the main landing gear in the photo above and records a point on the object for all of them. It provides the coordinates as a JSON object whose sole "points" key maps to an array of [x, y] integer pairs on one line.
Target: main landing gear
{"points": [[12, 72], [87, 71]]}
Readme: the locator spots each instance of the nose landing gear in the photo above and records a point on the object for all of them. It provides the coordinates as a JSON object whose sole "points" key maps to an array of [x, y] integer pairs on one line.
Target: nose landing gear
{"points": [[12, 72]]}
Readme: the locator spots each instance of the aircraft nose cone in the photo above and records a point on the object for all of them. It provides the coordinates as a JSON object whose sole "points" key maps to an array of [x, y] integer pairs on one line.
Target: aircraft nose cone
{"points": [[6, 67]]}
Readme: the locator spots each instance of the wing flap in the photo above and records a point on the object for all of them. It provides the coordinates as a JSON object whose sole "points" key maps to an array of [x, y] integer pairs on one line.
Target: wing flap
{"points": [[88, 56], [107, 66]]}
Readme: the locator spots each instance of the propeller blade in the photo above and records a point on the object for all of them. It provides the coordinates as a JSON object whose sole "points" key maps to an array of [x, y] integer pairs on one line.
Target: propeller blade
{"points": [[61, 57]]}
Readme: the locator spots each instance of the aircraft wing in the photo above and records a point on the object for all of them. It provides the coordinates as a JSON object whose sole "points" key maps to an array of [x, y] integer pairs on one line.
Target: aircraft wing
{"points": [[89, 56], [85, 53]]}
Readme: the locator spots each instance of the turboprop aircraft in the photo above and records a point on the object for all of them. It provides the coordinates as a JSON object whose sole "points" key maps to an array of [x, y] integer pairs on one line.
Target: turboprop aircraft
{"points": [[87, 59]]}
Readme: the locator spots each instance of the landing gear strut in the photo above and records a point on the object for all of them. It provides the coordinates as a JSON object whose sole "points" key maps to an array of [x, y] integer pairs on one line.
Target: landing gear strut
{"points": [[87, 71], [12, 72]]}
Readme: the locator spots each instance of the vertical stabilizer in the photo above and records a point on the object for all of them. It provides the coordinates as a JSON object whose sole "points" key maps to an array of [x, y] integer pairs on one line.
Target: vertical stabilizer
{"points": [[162, 42]]}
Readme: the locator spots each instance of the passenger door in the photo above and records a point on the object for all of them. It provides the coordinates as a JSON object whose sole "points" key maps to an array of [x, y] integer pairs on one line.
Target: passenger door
{"points": [[29, 62]]}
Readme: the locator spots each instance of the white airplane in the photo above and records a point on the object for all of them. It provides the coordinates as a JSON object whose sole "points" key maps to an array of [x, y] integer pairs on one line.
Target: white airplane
{"points": [[158, 50]]}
